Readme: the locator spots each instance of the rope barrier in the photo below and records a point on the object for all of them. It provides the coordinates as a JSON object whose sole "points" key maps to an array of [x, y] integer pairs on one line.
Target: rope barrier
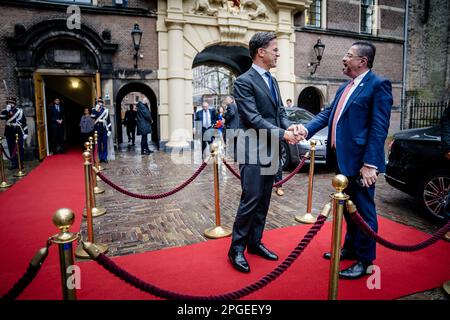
{"points": [[407, 248], [113, 268], [277, 184], [29, 275], [154, 196], [13, 154]]}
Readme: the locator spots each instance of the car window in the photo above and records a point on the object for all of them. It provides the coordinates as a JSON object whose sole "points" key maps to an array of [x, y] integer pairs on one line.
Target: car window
{"points": [[299, 116]]}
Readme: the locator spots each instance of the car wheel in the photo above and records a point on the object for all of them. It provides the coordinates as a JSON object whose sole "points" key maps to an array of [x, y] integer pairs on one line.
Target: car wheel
{"points": [[285, 156], [433, 192]]}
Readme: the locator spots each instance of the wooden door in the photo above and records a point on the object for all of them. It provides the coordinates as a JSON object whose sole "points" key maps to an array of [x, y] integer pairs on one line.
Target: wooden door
{"points": [[40, 115]]}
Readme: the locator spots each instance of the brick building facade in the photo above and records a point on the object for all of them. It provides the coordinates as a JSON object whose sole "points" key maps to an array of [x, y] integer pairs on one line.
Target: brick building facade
{"points": [[176, 37]]}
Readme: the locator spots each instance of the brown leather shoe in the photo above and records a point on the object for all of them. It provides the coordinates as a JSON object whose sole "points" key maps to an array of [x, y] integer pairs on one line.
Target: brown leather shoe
{"points": [[280, 192]]}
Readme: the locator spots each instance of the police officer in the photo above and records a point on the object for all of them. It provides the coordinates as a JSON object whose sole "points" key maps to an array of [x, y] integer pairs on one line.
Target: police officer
{"points": [[16, 123], [102, 125]]}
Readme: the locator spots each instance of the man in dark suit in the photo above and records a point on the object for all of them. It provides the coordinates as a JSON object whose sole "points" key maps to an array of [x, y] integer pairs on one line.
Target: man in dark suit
{"points": [[57, 126], [358, 121], [206, 118], [262, 120], [144, 124], [231, 125]]}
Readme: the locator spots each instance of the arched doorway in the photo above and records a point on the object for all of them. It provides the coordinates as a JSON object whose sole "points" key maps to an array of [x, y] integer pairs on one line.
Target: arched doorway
{"points": [[311, 99], [146, 91], [49, 56]]}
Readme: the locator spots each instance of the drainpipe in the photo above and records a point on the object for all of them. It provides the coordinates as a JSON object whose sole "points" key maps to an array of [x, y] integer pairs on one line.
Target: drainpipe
{"points": [[405, 62]]}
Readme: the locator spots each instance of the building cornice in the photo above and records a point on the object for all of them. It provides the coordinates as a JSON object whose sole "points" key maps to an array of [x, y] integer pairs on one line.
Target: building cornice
{"points": [[349, 34]]}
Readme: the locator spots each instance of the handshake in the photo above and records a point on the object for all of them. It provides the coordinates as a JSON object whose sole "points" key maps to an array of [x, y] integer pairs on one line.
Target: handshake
{"points": [[295, 133]]}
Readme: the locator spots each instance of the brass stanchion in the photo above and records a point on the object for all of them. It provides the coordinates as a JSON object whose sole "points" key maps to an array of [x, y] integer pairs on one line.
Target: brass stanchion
{"points": [[63, 219], [97, 189], [4, 183], [80, 253], [218, 231], [308, 217], [339, 182], [97, 161], [21, 172], [96, 211]]}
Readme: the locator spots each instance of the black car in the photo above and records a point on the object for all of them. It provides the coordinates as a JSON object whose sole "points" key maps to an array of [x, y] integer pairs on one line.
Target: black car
{"points": [[418, 167], [291, 154]]}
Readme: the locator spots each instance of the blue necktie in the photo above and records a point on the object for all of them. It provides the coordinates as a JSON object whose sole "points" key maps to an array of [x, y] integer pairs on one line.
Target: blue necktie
{"points": [[271, 86]]}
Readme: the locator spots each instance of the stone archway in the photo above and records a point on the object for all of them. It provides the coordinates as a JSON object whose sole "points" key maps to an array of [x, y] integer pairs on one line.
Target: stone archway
{"points": [[311, 99], [237, 58], [81, 50], [148, 92]]}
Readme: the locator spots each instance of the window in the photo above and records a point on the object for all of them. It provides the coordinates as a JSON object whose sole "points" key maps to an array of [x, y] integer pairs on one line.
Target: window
{"points": [[367, 16], [313, 15]]}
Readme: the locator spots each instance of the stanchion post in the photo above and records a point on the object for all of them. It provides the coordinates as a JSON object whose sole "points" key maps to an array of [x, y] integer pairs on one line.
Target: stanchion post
{"points": [[4, 183], [21, 172], [96, 188], [97, 161], [63, 219], [218, 231], [339, 182], [96, 211], [80, 253], [308, 217]]}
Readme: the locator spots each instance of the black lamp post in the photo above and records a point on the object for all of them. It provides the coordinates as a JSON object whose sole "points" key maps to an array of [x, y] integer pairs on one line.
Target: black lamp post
{"points": [[319, 47], [136, 35]]}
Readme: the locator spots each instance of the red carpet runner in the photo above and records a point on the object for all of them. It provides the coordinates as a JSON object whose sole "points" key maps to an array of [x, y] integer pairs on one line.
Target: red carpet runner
{"points": [[202, 268]]}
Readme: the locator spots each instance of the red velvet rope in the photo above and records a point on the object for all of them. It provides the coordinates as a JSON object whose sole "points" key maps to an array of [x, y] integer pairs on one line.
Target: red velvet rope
{"points": [[398, 247], [113, 268], [153, 196], [13, 154], [277, 184]]}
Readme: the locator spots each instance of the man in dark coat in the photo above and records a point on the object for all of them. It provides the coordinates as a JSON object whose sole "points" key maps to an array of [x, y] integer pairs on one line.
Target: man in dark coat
{"points": [[57, 126], [144, 124], [130, 122], [206, 118], [231, 124]]}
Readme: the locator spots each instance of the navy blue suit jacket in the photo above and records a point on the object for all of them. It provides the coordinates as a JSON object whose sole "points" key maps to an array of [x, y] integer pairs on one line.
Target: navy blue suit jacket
{"points": [[199, 116], [362, 128]]}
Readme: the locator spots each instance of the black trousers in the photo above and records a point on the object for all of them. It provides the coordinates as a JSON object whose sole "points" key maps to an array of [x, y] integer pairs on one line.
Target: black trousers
{"points": [[11, 141], [251, 215], [144, 142], [131, 133], [57, 138]]}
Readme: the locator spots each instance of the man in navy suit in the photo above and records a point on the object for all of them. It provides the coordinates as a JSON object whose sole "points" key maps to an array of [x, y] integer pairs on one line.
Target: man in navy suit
{"points": [[57, 126], [206, 118], [263, 123], [358, 121]]}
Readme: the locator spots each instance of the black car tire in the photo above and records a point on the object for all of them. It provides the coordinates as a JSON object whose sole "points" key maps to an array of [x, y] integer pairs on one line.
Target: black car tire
{"points": [[285, 156], [432, 192]]}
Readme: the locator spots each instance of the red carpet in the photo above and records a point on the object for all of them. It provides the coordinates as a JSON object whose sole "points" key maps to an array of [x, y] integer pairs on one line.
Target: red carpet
{"points": [[200, 269]]}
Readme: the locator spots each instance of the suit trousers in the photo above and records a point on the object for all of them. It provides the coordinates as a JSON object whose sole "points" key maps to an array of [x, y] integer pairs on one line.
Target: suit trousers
{"points": [[103, 146], [251, 215]]}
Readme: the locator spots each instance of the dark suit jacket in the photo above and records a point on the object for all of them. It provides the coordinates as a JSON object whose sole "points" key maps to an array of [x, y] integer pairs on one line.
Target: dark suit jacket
{"points": [[258, 110], [199, 117], [55, 115], [143, 119], [232, 117], [362, 128]]}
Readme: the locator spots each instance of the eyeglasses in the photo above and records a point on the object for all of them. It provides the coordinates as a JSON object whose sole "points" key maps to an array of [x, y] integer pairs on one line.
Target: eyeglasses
{"points": [[349, 55]]}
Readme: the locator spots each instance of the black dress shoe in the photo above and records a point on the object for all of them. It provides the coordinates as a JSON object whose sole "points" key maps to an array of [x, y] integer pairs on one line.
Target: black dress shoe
{"points": [[345, 255], [238, 261], [355, 271], [262, 251]]}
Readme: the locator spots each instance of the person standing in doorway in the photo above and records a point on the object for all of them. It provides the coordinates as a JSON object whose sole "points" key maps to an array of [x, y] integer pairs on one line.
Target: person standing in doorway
{"points": [[206, 117], [86, 127], [130, 122], [144, 124], [57, 126], [100, 114]]}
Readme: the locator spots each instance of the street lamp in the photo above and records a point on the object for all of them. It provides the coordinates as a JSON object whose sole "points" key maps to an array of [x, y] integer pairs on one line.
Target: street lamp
{"points": [[136, 35], [319, 47]]}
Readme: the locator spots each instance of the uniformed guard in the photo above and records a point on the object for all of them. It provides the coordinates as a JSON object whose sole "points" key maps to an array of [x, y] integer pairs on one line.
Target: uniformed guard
{"points": [[16, 123], [100, 115]]}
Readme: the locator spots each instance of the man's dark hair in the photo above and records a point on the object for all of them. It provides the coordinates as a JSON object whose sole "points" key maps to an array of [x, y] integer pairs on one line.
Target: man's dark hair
{"points": [[131, 106], [260, 40], [289, 100], [366, 49]]}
